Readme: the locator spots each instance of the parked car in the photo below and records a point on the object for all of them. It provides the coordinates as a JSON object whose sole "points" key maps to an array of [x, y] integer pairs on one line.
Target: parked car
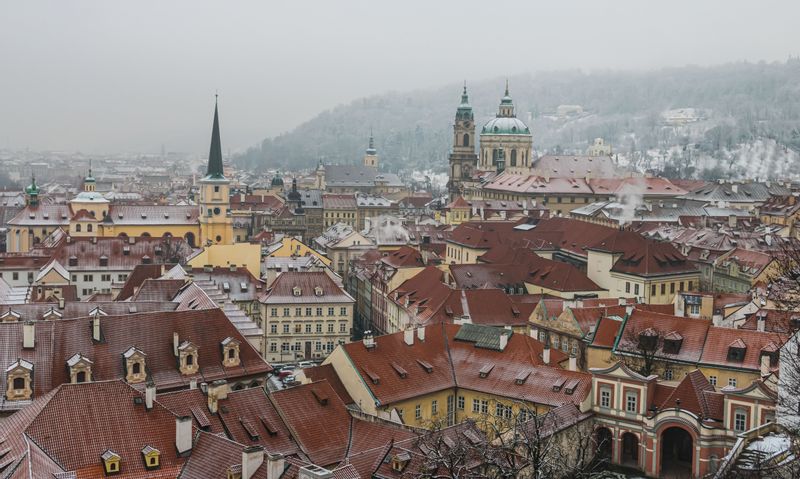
{"points": [[284, 372], [289, 379], [306, 364]]}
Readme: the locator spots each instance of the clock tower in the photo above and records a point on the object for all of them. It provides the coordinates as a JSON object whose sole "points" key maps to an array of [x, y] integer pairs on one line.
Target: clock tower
{"points": [[463, 159], [216, 224]]}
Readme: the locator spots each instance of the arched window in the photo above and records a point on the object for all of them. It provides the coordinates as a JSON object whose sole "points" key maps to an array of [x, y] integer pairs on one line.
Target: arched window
{"points": [[145, 234], [513, 157], [465, 142], [78, 227], [137, 368], [89, 228], [80, 377], [231, 353], [190, 360], [19, 383]]}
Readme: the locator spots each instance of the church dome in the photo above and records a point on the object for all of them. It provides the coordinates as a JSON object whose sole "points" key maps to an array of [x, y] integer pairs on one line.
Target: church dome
{"points": [[89, 197], [505, 126], [277, 180], [33, 188]]}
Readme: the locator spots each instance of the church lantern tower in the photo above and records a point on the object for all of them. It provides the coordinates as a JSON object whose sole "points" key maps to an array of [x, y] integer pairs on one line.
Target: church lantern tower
{"points": [[32, 193], [463, 159], [216, 224], [371, 155]]}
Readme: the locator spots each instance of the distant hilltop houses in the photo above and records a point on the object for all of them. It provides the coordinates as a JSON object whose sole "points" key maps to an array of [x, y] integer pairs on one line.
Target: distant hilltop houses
{"points": [[552, 316]]}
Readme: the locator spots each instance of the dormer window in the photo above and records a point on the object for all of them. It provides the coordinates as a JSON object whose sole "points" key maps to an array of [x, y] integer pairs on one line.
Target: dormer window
{"points": [[134, 360], [104, 260], [73, 260], [400, 461], [297, 291], [318, 291], [111, 462], [187, 356], [737, 351], [648, 339], [19, 381], [151, 457], [672, 343], [80, 369], [230, 352]]}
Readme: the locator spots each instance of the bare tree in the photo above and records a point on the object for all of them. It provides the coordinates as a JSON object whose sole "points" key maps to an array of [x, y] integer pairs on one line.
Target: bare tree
{"points": [[515, 442], [643, 350]]}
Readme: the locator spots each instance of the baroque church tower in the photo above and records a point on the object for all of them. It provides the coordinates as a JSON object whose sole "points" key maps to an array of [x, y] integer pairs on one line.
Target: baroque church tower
{"points": [[216, 224], [371, 155], [463, 159]]}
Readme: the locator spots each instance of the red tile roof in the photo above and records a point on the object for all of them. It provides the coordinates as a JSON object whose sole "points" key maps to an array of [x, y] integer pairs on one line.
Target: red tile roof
{"points": [[91, 418], [137, 276], [643, 256], [327, 373], [693, 393], [429, 368], [282, 289], [404, 257], [720, 339], [649, 186], [606, 333], [694, 332]]}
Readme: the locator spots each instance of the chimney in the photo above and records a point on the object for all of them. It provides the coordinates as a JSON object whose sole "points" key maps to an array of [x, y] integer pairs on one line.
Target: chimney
{"points": [[276, 465], [149, 395], [579, 303], [369, 340], [131, 240], [628, 309], [61, 303], [183, 435], [765, 361], [761, 322], [233, 268], [193, 383], [503, 341], [96, 328], [622, 301], [734, 187], [69, 239], [175, 343], [313, 471], [408, 336], [421, 333], [546, 353], [28, 335], [252, 458], [573, 363], [731, 221], [217, 391]]}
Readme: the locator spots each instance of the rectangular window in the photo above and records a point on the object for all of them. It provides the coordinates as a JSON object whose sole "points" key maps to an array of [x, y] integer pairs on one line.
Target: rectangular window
{"points": [[636, 289], [285, 329], [318, 346], [105, 277], [417, 411], [712, 380], [739, 420], [694, 309], [319, 328], [330, 311], [476, 406], [330, 327], [691, 285], [308, 311], [122, 277], [732, 382], [652, 290], [434, 407], [298, 311], [308, 329], [342, 327], [273, 328], [273, 347], [15, 275], [605, 398], [668, 374], [284, 347], [298, 328], [285, 312], [460, 403], [273, 312], [672, 288], [627, 286], [555, 342], [663, 288], [631, 400], [319, 311], [681, 286], [343, 311], [484, 406]]}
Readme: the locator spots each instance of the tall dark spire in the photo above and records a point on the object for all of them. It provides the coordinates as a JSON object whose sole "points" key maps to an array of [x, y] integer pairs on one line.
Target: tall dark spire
{"points": [[371, 148], [214, 171]]}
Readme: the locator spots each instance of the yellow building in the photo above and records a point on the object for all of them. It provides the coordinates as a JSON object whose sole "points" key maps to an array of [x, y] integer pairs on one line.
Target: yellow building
{"points": [[445, 373], [290, 246], [89, 214]]}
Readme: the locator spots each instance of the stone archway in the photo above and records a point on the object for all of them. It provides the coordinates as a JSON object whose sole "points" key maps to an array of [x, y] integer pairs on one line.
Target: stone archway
{"points": [[677, 453], [630, 450], [189, 237]]}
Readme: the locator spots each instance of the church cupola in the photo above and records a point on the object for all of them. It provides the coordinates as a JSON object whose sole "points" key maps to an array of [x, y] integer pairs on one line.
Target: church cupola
{"points": [[32, 193], [506, 106], [89, 183], [371, 156], [463, 160], [464, 111]]}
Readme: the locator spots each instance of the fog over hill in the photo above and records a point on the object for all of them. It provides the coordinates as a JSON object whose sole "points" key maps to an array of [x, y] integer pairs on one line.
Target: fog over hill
{"points": [[733, 120]]}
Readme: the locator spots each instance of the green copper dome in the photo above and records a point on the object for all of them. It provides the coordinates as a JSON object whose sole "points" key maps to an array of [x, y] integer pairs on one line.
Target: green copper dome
{"points": [[277, 180], [505, 126], [33, 188]]}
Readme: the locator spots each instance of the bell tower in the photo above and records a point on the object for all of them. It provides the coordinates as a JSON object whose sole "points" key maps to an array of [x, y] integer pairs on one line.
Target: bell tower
{"points": [[216, 224], [463, 159], [371, 155]]}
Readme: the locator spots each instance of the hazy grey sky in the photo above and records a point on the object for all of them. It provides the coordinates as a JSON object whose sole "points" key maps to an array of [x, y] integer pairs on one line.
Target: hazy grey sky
{"points": [[107, 76]]}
